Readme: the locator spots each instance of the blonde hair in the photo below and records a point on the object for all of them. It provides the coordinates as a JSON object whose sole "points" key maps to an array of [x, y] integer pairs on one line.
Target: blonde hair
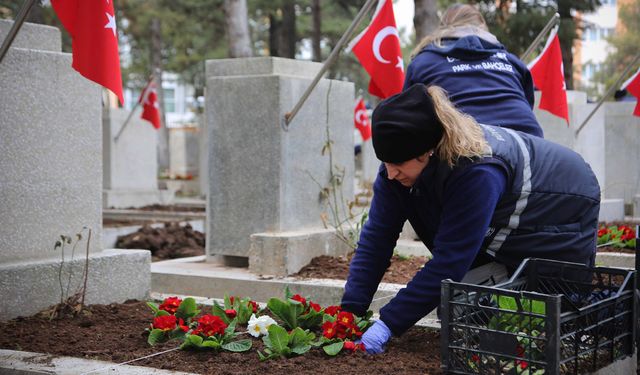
{"points": [[457, 15], [462, 137]]}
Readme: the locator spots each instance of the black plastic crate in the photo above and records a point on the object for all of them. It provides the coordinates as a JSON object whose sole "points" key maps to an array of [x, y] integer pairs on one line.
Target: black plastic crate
{"points": [[550, 317]]}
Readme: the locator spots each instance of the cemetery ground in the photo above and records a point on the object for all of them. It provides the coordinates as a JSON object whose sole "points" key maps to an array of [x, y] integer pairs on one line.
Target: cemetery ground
{"points": [[118, 333]]}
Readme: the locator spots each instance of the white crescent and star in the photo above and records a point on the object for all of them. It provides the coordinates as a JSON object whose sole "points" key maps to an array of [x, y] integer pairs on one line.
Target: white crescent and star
{"points": [[111, 24], [359, 115], [377, 43]]}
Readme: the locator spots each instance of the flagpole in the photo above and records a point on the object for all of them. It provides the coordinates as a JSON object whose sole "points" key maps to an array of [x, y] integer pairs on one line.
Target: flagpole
{"points": [[115, 139], [288, 117], [17, 24], [552, 22], [609, 92]]}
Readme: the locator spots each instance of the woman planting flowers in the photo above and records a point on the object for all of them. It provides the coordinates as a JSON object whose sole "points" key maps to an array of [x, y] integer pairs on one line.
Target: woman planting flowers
{"points": [[480, 197]]}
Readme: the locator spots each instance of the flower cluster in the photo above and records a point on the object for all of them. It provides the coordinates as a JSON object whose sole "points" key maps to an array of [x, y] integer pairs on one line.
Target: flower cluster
{"points": [[259, 326], [209, 325], [168, 323], [253, 304], [332, 310], [519, 362], [353, 347], [308, 305], [621, 236], [170, 304], [342, 328]]}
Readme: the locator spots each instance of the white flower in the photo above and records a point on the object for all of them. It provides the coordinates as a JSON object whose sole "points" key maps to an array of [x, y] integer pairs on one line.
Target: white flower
{"points": [[259, 326]]}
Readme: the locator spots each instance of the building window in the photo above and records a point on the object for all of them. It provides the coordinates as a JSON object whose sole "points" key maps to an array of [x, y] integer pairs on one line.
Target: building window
{"points": [[169, 100]]}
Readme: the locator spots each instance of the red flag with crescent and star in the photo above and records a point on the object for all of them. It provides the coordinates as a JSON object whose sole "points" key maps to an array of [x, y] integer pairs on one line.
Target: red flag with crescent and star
{"points": [[361, 120], [150, 107], [632, 85], [92, 26], [378, 50], [548, 76]]}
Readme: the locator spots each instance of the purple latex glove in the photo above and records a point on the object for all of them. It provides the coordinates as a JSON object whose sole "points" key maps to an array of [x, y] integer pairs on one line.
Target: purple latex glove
{"points": [[376, 337]]}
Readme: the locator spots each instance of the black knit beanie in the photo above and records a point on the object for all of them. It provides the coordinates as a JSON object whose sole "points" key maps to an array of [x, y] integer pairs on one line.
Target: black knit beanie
{"points": [[405, 126]]}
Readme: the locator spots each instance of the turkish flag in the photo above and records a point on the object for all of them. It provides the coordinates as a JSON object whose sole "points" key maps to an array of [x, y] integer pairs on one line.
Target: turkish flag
{"points": [[92, 26], [361, 120], [378, 50], [150, 106], [548, 76], [632, 85]]}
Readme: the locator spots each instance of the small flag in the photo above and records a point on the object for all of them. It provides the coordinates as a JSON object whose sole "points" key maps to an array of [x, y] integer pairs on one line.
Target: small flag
{"points": [[361, 120], [150, 106], [92, 26], [548, 76], [378, 50], [632, 85]]}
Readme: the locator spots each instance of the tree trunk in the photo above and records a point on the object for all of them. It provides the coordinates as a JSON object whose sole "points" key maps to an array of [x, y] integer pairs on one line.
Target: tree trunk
{"points": [[275, 27], [35, 14], [425, 18], [566, 45], [237, 27], [156, 66], [288, 32], [316, 34]]}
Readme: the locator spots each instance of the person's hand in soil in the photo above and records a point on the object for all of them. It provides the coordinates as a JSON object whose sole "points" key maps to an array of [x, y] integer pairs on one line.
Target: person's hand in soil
{"points": [[376, 337]]}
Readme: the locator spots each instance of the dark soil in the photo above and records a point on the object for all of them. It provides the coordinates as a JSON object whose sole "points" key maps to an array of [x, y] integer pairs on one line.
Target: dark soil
{"points": [[170, 207], [116, 333], [401, 270], [172, 241]]}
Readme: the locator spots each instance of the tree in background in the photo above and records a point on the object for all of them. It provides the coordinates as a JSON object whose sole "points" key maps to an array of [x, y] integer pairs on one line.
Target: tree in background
{"points": [[237, 28], [626, 45], [425, 18], [516, 23]]}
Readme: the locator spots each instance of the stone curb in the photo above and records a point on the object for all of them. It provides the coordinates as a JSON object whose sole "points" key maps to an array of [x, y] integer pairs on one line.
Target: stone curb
{"points": [[14, 362]]}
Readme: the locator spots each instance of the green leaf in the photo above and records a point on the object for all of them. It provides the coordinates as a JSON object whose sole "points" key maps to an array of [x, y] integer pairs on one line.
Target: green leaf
{"points": [[231, 327], [211, 344], [300, 349], [218, 311], [156, 336], [238, 346], [161, 313], [311, 320], [299, 338], [285, 311], [191, 341], [334, 348], [278, 338], [154, 307], [187, 309], [266, 341]]}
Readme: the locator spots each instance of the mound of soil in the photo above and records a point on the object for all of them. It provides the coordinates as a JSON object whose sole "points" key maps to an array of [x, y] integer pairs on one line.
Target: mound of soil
{"points": [[401, 270], [170, 207], [116, 333], [170, 242]]}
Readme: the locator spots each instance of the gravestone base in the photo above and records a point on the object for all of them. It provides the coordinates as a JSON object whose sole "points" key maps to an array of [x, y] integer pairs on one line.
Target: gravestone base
{"points": [[114, 276], [611, 210], [124, 198], [282, 254]]}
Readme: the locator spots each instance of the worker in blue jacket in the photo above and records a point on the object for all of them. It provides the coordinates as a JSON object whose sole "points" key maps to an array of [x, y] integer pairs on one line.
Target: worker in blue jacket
{"points": [[481, 77], [474, 194]]}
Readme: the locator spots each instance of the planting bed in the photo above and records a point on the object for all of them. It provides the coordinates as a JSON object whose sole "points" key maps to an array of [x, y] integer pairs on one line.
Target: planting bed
{"points": [[116, 333]]}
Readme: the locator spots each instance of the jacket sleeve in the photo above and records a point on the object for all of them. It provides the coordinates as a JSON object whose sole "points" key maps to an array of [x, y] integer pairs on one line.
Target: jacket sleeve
{"points": [[526, 79], [469, 201], [375, 247]]}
